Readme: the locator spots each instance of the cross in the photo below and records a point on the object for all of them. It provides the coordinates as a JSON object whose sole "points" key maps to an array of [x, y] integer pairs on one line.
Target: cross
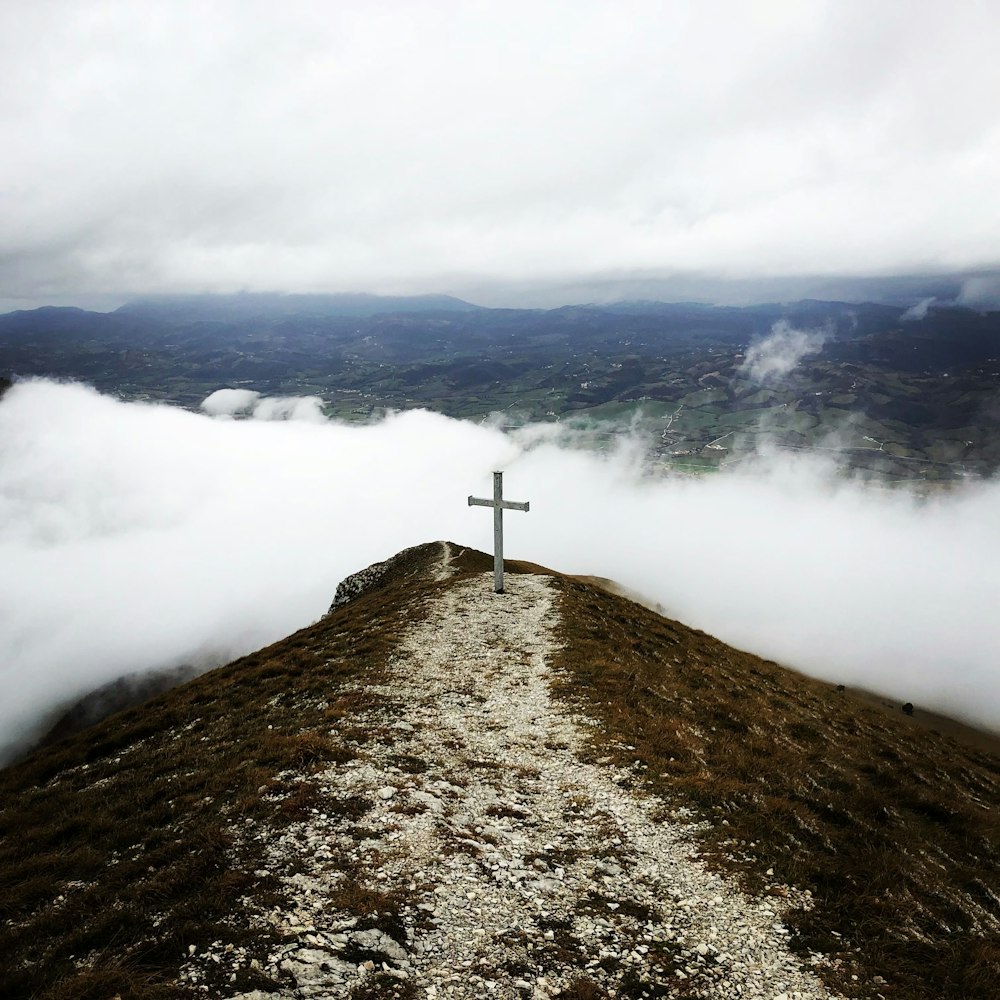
{"points": [[498, 504]]}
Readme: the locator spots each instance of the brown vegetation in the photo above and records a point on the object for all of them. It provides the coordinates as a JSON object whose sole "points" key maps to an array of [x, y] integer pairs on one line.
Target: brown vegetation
{"points": [[115, 846], [894, 831], [121, 846]]}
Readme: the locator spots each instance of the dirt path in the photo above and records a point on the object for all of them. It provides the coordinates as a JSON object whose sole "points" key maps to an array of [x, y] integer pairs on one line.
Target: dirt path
{"points": [[522, 868]]}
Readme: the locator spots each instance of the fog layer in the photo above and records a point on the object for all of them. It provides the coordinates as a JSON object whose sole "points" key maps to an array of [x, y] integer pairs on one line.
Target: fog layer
{"points": [[136, 536]]}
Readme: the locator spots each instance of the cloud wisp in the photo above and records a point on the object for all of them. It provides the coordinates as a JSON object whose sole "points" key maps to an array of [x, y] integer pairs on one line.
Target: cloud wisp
{"points": [[138, 536], [917, 311], [781, 350], [982, 293]]}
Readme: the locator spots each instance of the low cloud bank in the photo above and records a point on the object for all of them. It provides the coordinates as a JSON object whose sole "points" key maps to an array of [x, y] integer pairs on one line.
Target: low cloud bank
{"points": [[781, 351], [136, 536]]}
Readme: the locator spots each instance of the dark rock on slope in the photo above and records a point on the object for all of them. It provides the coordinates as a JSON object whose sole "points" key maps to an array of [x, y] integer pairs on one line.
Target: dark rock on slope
{"points": [[115, 696]]}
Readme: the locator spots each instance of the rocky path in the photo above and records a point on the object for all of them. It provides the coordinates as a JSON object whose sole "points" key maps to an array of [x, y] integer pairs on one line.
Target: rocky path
{"points": [[520, 870]]}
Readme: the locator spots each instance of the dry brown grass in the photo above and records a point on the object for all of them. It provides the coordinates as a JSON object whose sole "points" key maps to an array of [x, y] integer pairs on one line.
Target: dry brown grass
{"points": [[895, 832], [582, 989], [119, 847]]}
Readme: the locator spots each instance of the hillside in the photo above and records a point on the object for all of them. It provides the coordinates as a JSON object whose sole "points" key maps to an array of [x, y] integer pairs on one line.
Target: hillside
{"points": [[911, 400], [438, 791]]}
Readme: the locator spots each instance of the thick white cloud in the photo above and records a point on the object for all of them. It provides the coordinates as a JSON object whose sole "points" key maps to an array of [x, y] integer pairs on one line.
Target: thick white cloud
{"points": [[230, 402], [135, 536], [175, 145], [309, 408], [248, 402]]}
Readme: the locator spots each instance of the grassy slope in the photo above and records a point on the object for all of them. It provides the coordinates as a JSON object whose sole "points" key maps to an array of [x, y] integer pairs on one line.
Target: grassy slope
{"points": [[115, 845], [119, 847], [895, 832]]}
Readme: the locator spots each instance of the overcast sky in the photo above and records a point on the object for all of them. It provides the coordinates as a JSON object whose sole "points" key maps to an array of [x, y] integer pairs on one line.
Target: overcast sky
{"points": [[444, 146]]}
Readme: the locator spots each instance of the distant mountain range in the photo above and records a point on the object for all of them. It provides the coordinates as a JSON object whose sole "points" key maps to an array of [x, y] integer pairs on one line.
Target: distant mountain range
{"points": [[263, 306], [908, 396]]}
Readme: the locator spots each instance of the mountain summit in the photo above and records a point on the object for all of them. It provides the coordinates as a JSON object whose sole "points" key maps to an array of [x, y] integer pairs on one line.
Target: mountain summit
{"points": [[439, 791]]}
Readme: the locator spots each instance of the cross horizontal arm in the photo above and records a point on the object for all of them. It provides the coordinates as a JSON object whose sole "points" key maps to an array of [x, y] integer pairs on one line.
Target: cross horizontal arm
{"points": [[505, 504]]}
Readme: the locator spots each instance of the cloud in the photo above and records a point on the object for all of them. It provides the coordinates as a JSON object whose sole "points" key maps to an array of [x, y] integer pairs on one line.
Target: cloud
{"points": [[917, 311], [779, 353], [247, 402], [981, 292], [174, 146], [136, 536], [230, 402], [308, 408]]}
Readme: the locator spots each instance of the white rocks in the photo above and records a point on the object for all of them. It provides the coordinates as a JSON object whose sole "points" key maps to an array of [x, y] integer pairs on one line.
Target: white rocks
{"points": [[311, 968], [511, 852], [376, 940]]}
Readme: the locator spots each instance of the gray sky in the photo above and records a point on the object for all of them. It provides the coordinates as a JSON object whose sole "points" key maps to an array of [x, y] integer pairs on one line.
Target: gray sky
{"points": [[438, 146]]}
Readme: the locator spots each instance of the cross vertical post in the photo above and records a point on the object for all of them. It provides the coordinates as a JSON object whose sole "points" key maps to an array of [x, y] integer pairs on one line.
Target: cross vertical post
{"points": [[499, 505]]}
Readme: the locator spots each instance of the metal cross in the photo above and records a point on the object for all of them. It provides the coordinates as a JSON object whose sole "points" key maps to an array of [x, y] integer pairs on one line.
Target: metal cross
{"points": [[498, 504]]}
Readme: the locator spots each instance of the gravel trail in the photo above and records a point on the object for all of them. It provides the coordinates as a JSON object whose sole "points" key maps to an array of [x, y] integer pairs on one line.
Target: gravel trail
{"points": [[523, 868]]}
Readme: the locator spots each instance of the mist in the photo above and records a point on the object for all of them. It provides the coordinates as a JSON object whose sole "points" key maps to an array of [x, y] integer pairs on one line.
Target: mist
{"points": [[781, 350], [918, 311], [138, 536]]}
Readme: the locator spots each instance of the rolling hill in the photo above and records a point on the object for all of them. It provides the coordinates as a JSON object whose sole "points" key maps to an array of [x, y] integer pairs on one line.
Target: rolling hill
{"points": [[908, 401], [439, 791]]}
